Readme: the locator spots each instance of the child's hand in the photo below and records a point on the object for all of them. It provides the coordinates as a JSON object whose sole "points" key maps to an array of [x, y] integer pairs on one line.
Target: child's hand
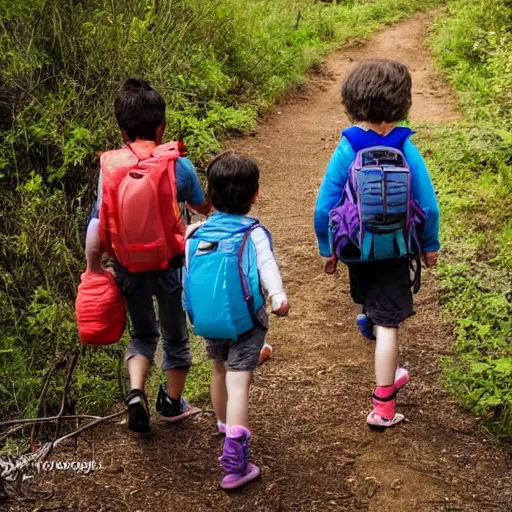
{"points": [[330, 264], [282, 310], [101, 270], [110, 270], [430, 258], [280, 305]]}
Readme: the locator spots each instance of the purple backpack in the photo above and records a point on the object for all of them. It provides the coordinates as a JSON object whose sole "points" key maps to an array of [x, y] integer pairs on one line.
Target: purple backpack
{"points": [[377, 218]]}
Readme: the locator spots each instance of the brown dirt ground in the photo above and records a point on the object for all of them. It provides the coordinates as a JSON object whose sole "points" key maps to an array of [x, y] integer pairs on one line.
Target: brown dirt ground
{"points": [[309, 403]]}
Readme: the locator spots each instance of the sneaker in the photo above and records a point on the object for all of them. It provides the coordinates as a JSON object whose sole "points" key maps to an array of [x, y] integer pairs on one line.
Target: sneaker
{"points": [[171, 410], [365, 326], [236, 460], [376, 422], [138, 411], [401, 378], [265, 353], [383, 414]]}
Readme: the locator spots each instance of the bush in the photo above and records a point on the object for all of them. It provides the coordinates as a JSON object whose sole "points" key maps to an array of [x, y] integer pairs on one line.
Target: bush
{"points": [[471, 163]]}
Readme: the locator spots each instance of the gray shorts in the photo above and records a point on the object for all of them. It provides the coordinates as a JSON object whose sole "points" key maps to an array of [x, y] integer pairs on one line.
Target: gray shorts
{"points": [[241, 355]]}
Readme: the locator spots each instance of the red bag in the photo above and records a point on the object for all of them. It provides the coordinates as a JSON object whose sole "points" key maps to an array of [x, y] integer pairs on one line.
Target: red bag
{"points": [[140, 221], [100, 309]]}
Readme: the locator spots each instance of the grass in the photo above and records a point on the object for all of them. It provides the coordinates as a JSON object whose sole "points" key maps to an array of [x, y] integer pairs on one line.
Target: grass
{"points": [[470, 162]]}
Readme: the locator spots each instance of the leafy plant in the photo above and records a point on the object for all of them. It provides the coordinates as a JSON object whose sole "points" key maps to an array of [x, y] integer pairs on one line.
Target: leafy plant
{"points": [[471, 165]]}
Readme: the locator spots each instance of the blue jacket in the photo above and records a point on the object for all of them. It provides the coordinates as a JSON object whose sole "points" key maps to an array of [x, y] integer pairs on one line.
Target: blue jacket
{"points": [[336, 176]]}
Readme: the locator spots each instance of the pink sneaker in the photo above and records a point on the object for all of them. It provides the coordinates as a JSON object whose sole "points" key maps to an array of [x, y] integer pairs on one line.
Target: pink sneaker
{"points": [[384, 403], [401, 378], [377, 422]]}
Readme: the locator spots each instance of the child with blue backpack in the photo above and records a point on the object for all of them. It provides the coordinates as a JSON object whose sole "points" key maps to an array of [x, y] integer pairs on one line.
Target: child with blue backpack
{"points": [[377, 212], [228, 261]]}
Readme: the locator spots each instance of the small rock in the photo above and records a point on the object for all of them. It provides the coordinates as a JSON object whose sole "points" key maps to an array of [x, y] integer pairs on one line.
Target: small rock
{"points": [[396, 484], [368, 488]]}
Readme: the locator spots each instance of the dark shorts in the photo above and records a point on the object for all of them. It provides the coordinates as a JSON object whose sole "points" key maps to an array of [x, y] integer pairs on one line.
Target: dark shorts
{"points": [[384, 290], [241, 355], [139, 289]]}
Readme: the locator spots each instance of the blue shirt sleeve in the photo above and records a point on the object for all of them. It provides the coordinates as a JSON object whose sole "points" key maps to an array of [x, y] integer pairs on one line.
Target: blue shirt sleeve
{"points": [[95, 209], [187, 183], [331, 191], [423, 192]]}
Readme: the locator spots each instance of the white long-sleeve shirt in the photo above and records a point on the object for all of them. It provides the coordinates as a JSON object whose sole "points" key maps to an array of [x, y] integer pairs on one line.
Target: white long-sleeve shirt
{"points": [[268, 270], [270, 276]]}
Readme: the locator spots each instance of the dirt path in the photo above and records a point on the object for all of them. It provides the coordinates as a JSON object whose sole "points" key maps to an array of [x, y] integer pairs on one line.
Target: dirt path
{"points": [[309, 404]]}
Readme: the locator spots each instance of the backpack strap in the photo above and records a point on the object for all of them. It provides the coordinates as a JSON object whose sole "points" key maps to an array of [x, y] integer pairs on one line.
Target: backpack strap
{"points": [[248, 296], [361, 139], [415, 266], [129, 146]]}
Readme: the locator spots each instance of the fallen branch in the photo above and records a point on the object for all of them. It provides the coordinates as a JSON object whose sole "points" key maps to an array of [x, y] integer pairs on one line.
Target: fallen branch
{"points": [[30, 421], [89, 425]]}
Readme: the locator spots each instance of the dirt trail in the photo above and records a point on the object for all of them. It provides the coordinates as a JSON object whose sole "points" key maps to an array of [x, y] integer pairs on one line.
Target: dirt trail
{"points": [[310, 402]]}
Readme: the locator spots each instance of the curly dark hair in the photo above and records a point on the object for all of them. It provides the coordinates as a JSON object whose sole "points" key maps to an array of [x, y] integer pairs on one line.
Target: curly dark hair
{"points": [[378, 91], [233, 181]]}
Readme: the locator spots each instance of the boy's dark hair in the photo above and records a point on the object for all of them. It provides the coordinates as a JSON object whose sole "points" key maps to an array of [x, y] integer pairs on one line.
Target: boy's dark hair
{"points": [[378, 91], [233, 181], [139, 109]]}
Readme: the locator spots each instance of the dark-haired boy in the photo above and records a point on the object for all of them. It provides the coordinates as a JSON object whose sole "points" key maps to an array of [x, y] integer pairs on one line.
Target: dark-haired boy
{"points": [[140, 113], [376, 95], [230, 316]]}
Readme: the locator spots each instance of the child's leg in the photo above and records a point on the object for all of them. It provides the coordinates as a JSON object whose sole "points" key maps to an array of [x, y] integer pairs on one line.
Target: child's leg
{"points": [[386, 355], [219, 393], [173, 325], [388, 302], [384, 395], [141, 350], [238, 384], [138, 369], [144, 335], [217, 351], [236, 457], [177, 358]]}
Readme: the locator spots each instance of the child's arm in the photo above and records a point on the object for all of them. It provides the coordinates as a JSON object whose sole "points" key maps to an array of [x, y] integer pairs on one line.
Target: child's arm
{"points": [[424, 193], [330, 193], [269, 272], [189, 188], [93, 248]]}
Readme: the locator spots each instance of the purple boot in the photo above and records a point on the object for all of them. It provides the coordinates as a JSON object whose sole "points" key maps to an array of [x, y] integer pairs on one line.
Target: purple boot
{"points": [[236, 459]]}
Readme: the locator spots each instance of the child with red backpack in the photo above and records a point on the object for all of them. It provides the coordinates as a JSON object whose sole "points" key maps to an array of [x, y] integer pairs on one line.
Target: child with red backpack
{"points": [[138, 223], [377, 212]]}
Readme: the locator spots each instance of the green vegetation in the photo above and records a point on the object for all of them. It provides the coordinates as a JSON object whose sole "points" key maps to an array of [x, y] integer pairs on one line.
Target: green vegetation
{"points": [[219, 63], [471, 163]]}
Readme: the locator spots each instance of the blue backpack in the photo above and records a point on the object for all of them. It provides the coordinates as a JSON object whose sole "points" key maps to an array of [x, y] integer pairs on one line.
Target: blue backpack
{"points": [[377, 218], [222, 293]]}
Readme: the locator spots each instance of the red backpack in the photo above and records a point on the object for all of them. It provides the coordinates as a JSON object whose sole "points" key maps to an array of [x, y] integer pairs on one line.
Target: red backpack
{"points": [[140, 222], [100, 309]]}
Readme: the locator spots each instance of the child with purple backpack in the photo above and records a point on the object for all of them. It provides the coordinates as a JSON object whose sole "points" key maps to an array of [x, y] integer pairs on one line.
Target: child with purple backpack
{"points": [[377, 212]]}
